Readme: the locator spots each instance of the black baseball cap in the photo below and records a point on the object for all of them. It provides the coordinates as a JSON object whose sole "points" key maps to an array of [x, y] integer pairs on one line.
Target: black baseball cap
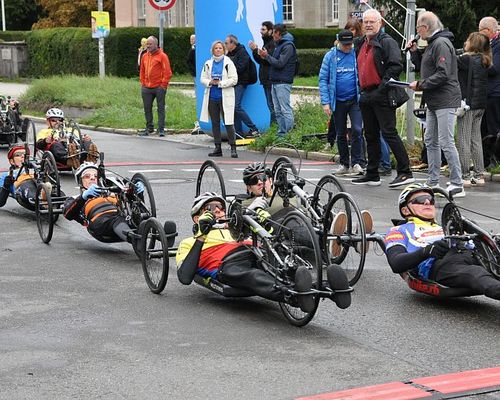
{"points": [[345, 36]]}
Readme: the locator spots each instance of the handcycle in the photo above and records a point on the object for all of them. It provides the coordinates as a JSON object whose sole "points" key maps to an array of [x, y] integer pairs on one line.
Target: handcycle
{"points": [[135, 208], [461, 233], [346, 248], [12, 127], [69, 134], [279, 254]]}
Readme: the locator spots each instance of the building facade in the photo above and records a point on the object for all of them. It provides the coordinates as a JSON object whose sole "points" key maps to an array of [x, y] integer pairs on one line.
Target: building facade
{"points": [[296, 13]]}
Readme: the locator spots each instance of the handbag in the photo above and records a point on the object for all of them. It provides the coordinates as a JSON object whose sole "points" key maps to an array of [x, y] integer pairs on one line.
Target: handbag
{"points": [[397, 96]]}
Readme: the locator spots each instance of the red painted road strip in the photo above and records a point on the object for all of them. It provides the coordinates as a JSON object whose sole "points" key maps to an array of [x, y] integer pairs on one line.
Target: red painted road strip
{"points": [[441, 385]]}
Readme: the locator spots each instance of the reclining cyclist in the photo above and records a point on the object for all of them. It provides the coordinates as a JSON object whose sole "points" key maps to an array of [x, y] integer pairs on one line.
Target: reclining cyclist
{"points": [[96, 209], [419, 246], [258, 179], [21, 187], [54, 139], [212, 253]]}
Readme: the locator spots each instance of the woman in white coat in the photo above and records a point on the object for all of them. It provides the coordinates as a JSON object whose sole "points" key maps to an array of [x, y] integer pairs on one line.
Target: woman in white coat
{"points": [[219, 77]]}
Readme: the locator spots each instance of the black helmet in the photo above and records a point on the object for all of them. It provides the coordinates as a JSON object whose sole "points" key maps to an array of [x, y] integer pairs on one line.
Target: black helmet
{"points": [[253, 169]]}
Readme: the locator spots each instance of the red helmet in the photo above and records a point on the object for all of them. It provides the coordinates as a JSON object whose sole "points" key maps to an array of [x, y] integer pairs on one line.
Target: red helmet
{"points": [[13, 149]]}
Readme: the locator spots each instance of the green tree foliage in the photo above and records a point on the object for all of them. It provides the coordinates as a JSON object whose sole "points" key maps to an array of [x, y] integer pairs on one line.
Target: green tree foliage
{"points": [[20, 14], [459, 16], [66, 13]]}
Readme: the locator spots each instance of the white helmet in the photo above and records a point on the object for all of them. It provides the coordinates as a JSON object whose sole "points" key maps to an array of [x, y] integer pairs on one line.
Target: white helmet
{"points": [[203, 199], [54, 113], [82, 168]]}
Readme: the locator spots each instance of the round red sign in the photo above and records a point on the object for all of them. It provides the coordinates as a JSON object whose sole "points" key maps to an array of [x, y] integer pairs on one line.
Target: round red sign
{"points": [[162, 5]]}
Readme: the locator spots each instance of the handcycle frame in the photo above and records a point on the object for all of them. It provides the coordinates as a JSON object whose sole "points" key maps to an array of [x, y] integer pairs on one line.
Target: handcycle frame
{"points": [[10, 130]]}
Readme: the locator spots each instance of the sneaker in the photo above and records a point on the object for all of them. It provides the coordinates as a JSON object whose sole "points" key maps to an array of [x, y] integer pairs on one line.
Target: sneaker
{"points": [[456, 191], [337, 280], [385, 171], [419, 167], [466, 182], [477, 181], [343, 170], [402, 180], [161, 133], [145, 132], [356, 169], [252, 133], [338, 227], [367, 180], [303, 283]]}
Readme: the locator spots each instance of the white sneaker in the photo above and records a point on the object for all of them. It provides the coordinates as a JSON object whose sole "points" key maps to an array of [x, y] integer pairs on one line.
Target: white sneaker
{"points": [[343, 170], [356, 169], [456, 191]]}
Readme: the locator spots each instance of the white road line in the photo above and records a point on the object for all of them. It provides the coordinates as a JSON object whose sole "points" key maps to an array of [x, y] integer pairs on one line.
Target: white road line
{"points": [[197, 169], [149, 170]]}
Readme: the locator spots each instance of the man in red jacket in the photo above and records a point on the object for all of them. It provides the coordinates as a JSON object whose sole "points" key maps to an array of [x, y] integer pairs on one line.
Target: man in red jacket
{"points": [[155, 74]]}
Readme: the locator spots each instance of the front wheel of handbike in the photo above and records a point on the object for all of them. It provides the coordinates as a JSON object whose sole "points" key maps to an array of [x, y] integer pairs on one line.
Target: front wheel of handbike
{"points": [[44, 212], [210, 179], [154, 255], [298, 244], [344, 237]]}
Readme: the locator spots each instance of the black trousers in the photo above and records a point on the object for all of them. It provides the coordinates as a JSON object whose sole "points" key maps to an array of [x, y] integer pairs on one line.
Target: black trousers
{"points": [[110, 228], [241, 270], [490, 131], [215, 111], [379, 119], [461, 270]]}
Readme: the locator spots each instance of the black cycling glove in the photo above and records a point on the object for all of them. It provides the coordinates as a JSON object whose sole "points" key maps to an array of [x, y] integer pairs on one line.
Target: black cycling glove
{"points": [[8, 181], [438, 249]]}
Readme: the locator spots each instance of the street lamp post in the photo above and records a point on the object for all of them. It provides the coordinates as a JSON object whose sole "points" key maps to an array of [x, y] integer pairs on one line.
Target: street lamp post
{"points": [[3, 15]]}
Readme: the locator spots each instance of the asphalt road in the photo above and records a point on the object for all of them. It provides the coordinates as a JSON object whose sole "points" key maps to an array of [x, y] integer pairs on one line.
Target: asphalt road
{"points": [[78, 321]]}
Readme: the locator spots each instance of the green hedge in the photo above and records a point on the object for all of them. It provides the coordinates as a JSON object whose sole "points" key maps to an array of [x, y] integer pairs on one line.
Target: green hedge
{"points": [[73, 51], [13, 36]]}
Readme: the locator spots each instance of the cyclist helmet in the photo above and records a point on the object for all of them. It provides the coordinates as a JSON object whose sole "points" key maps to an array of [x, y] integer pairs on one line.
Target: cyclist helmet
{"points": [[54, 113], [203, 199], [253, 169], [13, 149], [84, 167], [408, 191]]}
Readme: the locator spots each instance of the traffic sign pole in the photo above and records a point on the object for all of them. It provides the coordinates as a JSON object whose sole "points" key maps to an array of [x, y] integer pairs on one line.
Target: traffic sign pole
{"points": [[162, 23], [102, 65], [161, 6]]}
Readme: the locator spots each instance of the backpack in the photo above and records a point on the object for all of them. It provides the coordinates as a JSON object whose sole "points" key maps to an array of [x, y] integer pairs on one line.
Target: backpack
{"points": [[252, 72]]}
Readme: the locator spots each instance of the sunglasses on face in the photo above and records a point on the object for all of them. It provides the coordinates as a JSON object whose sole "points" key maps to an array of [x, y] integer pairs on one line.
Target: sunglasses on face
{"points": [[89, 176], [213, 206], [19, 154], [423, 199], [254, 180], [56, 120]]}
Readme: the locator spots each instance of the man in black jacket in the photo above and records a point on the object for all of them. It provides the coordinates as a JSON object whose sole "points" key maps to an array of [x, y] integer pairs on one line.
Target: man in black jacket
{"points": [[441, 93], [266, 31], [239, 56], [379, 59]]}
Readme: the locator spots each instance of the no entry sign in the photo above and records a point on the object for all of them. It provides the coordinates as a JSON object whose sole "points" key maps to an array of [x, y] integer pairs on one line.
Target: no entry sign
{"points": [[162, 5]]}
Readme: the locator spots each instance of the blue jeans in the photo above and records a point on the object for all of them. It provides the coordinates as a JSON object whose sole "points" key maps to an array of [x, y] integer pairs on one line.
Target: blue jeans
{"points": [[439, 135], [269, 100], [385, 160], [342, 109], [282, 107], [240, 115]]}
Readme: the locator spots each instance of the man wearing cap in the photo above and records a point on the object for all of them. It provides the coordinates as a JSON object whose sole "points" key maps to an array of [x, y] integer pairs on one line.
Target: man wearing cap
{"points": [[22, 187], [339, 92]]}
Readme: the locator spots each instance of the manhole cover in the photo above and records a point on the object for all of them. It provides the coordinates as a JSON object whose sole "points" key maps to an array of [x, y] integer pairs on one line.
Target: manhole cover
{"points": [[169, 181]]}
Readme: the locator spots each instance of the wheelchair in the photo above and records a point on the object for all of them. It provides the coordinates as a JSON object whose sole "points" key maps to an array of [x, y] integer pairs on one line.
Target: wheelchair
{"points": [[347, 248]]}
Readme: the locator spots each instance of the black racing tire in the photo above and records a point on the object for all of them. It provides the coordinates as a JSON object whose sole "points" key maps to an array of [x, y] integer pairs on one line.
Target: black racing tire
{"points": [[327, 187], [44, 212], [283, 160], [451, 220], [154, 255], [146, 208], [210, 179], [349, 247], [488, 258], [50, 173], [297, 241], [31, 138]]}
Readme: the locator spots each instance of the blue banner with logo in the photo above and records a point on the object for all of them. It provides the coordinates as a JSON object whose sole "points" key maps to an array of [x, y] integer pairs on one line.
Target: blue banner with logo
{"points": [[214, 20]]}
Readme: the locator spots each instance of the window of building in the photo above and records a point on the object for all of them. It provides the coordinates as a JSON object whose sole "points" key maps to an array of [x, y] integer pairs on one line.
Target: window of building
{"points": [[287, 11], [186, 13], [335, 11], [141, 12]]}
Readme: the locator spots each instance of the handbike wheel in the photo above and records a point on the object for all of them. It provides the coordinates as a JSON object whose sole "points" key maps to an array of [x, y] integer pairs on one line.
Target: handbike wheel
{"points": [[327, 187], [451, 220], [154, 255], [485, 255], [147, 204], [210, 179], [50, 173], [284, 160], [74, 129], [44, 212], [344, 236], [31, 137], [298, 245]]}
